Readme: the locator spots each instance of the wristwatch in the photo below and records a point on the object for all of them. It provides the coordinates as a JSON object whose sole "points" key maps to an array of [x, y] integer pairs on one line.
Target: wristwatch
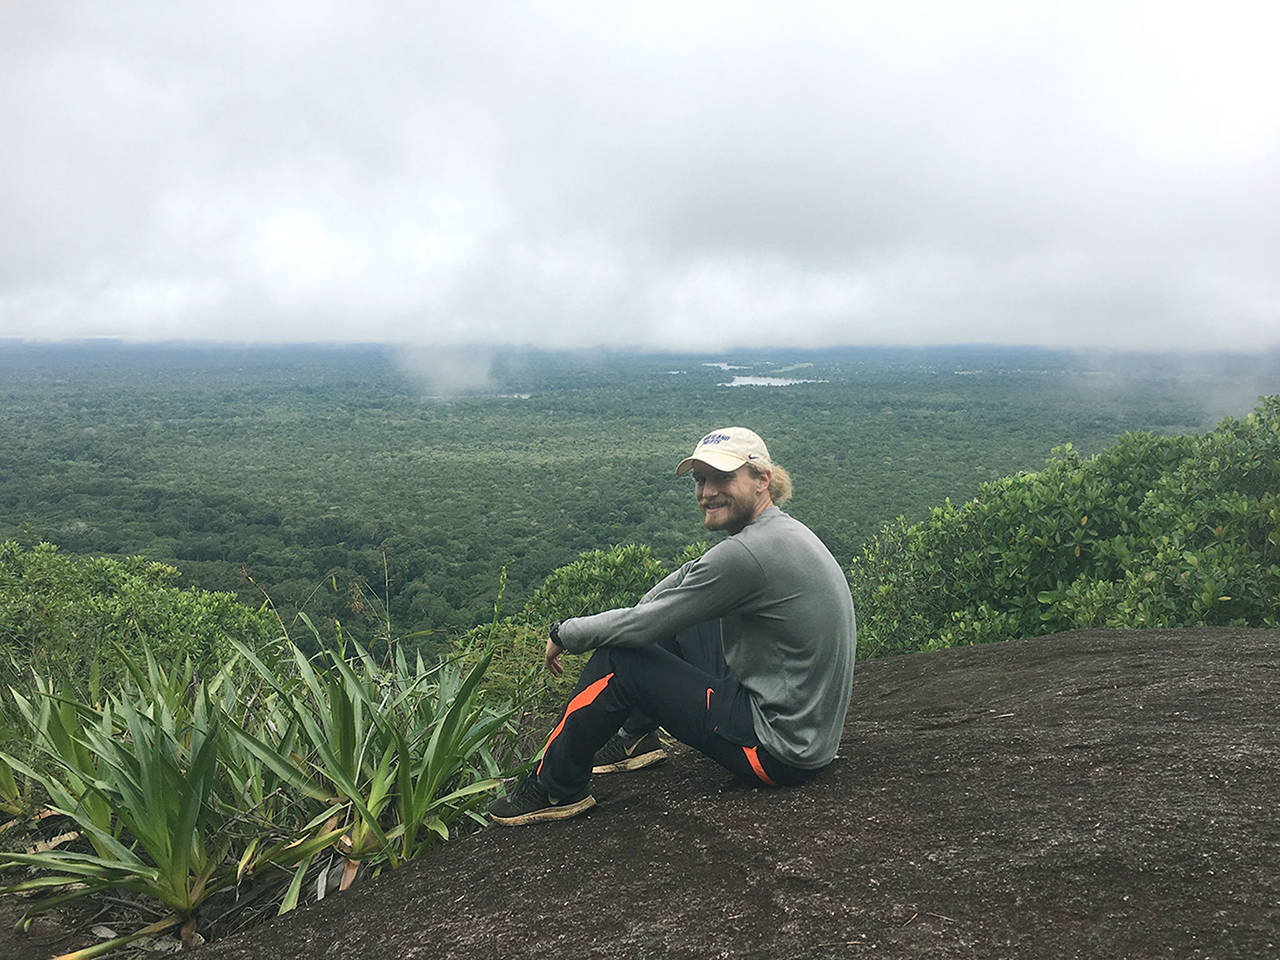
{"points": [[555, 634]]}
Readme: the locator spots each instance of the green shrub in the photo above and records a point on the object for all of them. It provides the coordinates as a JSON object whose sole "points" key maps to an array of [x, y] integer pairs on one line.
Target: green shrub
{"points": [[61, 614], [1208, 549], [1154, 531], [596, 581]]}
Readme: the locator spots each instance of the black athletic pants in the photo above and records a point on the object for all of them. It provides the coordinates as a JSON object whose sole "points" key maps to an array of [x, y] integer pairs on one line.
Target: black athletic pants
{"points": [[683, 685]]}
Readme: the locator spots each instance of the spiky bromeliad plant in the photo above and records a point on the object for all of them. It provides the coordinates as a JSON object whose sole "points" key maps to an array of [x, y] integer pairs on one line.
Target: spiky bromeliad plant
{"points": [[183, 788], [142, 780], [135, 777], [404, 751]]}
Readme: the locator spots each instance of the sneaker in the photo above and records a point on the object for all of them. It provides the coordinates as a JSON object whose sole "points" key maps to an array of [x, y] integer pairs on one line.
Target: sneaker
{"points": [[628, 753], [529, 803]]}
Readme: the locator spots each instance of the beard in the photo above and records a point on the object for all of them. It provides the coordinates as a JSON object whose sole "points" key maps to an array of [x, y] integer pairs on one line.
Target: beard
{"points": [[726, 513]]}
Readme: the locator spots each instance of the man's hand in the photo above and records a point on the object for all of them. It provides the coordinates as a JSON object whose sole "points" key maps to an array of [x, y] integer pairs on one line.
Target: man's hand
{"points": [[552, 659]]}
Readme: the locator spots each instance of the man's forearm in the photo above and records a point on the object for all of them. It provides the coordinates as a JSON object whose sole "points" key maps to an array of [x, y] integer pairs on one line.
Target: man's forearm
{"points": [[696, 592]]}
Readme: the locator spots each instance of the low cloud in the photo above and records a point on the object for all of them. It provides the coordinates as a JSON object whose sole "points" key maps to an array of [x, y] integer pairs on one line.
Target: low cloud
{"points": [[563, 174], [447, 371]]}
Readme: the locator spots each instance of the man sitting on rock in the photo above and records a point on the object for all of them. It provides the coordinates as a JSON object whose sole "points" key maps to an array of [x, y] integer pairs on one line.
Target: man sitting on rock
{"points": [[745, 654]]}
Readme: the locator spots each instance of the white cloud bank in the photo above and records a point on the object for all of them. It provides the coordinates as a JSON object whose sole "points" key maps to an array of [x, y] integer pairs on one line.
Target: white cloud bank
{"points": [[664, 175]]}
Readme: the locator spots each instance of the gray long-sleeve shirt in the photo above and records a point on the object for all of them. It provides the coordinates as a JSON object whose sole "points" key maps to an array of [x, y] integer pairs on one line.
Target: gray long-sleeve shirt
{"points": [[788, 627]]}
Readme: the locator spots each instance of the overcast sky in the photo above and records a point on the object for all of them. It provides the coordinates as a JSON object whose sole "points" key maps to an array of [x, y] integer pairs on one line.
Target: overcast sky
{"points": [[667, 175]]}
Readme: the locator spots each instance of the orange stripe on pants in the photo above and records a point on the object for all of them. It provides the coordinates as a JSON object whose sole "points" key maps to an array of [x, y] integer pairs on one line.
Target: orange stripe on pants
{"points": [[753, 757], [583, 699]]}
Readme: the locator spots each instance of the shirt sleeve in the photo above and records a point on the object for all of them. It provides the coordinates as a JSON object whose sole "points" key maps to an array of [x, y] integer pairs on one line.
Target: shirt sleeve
{"points": [[721, 581], [673, 579]]}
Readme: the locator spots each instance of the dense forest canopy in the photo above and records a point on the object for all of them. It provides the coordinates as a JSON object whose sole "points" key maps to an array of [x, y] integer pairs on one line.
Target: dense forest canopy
{"points": [[423, 474]]}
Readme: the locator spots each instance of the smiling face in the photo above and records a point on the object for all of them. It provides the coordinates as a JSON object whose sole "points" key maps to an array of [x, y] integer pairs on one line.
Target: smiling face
{"points": [[729, 501]]}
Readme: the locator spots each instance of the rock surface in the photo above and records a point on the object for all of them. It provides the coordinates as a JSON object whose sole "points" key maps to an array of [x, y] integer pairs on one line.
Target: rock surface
{"points": [[1089, 794]]}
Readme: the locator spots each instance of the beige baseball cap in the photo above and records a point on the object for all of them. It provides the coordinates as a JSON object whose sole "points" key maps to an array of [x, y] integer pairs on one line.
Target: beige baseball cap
{"points": [[726, 449]]}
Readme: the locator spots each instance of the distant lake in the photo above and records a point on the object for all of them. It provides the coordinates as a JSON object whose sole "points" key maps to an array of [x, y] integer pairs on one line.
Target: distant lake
{"points": [[767, 382]]}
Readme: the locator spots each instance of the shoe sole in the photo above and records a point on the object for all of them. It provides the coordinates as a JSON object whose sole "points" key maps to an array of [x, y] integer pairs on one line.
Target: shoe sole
{"points": [[561, 811], [638, 762]]}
